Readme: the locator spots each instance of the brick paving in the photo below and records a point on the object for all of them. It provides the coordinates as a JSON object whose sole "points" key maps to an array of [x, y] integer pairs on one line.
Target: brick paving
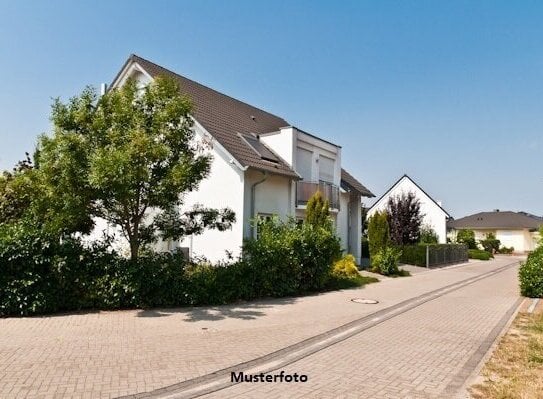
{"points": [[109, 354], [415, 355]]}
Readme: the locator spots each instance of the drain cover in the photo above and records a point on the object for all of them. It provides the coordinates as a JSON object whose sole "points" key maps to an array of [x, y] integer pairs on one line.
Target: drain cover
{"points": [[365, 301]]}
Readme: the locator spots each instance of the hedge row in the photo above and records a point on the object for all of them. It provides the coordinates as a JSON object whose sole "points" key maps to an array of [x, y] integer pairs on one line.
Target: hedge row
{"points": [[439, 254], [42, 274]]}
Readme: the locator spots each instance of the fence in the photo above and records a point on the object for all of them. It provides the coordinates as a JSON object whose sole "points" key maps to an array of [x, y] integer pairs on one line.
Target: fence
{"points": [[434, 254]]}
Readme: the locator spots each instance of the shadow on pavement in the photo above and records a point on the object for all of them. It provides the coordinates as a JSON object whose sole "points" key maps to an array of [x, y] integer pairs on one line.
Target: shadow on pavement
{"points": [[242, 311]]}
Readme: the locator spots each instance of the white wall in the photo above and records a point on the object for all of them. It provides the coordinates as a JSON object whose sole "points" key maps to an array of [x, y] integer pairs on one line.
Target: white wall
{"points": [[282, 143], [274, 196], [433, 215], [222, 188]]}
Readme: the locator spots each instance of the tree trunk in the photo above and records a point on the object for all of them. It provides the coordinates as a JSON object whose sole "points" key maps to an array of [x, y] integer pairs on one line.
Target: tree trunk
{"points": [[134, 249]]}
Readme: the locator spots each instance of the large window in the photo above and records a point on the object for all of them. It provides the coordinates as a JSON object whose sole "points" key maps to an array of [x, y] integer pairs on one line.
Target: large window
{"points": [[326, 169], [304, 163]]}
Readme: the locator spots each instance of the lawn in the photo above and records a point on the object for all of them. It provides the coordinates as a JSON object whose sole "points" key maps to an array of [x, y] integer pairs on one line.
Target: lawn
{"points": [[515, 369]]}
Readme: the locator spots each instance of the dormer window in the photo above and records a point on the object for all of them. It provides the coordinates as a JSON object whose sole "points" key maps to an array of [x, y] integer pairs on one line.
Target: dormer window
{"points": [[257, 146]]}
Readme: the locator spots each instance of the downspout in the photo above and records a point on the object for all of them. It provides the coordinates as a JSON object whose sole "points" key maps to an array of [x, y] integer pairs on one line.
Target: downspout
{"points": [[253, 195]]}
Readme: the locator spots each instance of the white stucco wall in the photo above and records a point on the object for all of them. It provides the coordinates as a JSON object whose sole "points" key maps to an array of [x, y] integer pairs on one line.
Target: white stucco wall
{"points": [[282, 143], [274, 196], [222, 188], [433, 214]]}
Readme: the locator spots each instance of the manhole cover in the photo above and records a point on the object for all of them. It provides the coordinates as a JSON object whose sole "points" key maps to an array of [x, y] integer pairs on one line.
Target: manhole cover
{"points": [[365, 301]]}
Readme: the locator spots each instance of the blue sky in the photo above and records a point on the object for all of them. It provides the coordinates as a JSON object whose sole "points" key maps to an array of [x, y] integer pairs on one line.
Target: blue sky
{"points": [[447, 92]]}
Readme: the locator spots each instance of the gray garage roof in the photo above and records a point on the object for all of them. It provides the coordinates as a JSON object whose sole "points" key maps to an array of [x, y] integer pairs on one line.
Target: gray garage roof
{"points": [[497, 220]]}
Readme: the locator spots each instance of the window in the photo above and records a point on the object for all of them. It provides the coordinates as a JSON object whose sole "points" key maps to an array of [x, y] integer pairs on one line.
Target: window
{"points": [[257, 146], [304, 163], [326, 169]]}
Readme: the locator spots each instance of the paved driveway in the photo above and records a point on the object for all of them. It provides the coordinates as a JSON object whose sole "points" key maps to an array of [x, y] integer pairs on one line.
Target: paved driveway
{"points": [[428, 335]]}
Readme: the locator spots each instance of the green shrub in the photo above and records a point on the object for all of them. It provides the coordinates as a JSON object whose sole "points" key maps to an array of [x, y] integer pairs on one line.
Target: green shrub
{"points": [[428, 235], [288, 257], [479, 254], [386, 261], [413, 255], [378, 233], [506, 250], [467, 237], [345, 267], [531, 275], [490, 243]]}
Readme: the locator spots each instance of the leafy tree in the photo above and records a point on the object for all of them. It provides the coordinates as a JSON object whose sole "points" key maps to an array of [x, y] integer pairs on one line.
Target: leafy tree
{"points": [[16, 191], [428, 235], [318, 211], [404, 219], [127, 157], [467, 237], [378, 233]]}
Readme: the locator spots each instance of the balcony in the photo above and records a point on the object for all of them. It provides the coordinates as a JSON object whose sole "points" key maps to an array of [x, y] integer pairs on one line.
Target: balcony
{"points": [[305, 190]]}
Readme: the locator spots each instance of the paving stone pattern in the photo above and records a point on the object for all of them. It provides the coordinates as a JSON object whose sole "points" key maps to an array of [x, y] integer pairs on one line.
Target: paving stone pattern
{"points": [[109, 354]]}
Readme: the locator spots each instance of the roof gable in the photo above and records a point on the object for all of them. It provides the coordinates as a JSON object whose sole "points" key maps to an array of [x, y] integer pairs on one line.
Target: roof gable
{"points": [[397, 183], [222, 116]]}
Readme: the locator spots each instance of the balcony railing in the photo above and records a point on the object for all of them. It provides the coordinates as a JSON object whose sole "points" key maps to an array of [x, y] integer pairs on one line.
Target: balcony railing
{"points": [[305, 190]]}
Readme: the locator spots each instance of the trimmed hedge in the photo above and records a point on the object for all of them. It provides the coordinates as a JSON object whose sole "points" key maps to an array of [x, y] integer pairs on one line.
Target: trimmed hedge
{"points": [[440, 254], [479, 254], [531, 275]]}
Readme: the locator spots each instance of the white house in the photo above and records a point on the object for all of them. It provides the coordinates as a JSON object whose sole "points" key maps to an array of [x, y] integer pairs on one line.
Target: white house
{"points": [[514, 229], [433, 213], [261, 166]]}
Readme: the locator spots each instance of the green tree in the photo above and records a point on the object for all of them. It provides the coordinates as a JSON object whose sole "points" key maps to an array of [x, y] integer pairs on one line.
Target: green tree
{"points": [[404, 219], [17, 191], [467, 237], [378, 233], [428, 235], [318, 211], [127, 157]]}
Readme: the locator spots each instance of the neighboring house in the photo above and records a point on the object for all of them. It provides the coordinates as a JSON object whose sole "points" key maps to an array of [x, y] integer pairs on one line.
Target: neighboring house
{"points": [[514, 229], [434, 215], [261, 166]]}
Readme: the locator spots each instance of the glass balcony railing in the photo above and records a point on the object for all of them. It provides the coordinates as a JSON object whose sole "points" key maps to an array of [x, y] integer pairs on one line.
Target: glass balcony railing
{"points": [[305, 190]]}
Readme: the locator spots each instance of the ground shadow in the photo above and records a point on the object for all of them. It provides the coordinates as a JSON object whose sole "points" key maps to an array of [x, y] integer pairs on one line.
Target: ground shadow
{"points": [[241, 310]]}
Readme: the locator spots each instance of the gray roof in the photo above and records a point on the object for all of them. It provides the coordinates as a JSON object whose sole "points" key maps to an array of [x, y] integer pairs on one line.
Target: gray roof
{"points": [[225, 118], [349, 183], [497, 220]]}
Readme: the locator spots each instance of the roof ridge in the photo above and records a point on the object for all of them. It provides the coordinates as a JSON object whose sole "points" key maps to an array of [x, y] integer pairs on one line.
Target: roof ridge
{"points": [[135, 57]]}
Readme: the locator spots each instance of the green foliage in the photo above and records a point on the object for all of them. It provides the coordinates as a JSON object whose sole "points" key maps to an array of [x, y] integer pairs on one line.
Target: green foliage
{"points": [[122, 155], [479, 254], [288, 257], [506, 250], [404, 219], [490, 243], [467, 237], [378, 233], [318, 210], [439, 254], [428, 235], [531, 275], [345, 267], [386, 261]]}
